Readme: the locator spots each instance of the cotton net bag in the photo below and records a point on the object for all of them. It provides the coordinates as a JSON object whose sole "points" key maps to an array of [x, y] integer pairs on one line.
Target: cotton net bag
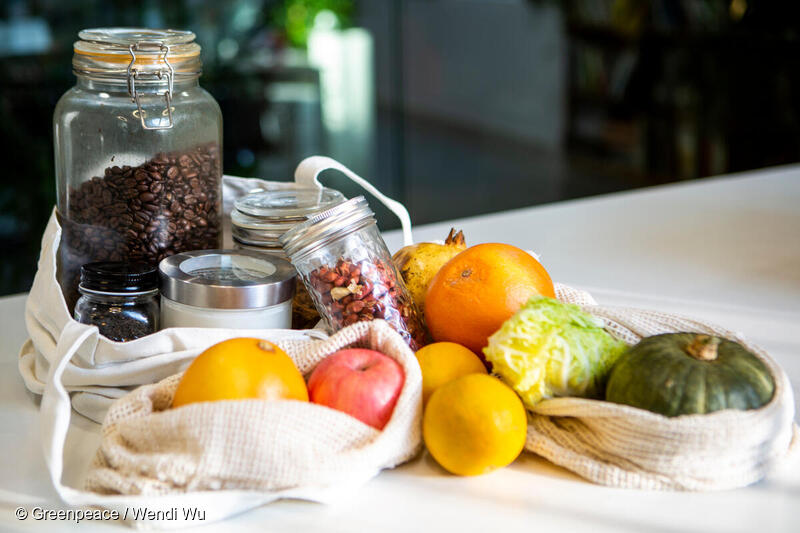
{"points": [[625, 447], [283, 448]]}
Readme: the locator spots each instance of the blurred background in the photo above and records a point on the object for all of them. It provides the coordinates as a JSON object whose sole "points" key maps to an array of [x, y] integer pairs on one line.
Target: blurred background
{"points": [[453, 107]]}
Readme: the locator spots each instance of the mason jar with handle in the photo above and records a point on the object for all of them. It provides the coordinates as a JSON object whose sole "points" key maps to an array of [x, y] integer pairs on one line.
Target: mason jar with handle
{"points": [[137, 151]]}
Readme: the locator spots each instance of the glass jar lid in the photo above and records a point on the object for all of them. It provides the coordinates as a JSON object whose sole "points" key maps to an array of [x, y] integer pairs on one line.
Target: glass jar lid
{"points": [[261, 217], [111, 52], [255, 233], [147, 61], [323, 228], [118, 278], [288, 204], [227, 279]]}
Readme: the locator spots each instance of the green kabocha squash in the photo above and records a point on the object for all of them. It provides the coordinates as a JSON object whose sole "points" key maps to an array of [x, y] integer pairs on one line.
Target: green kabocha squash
{"points": [[688, 373]]}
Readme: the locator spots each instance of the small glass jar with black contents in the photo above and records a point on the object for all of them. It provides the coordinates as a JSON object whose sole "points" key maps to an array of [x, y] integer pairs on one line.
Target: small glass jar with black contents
{"points": [[121, 299]]}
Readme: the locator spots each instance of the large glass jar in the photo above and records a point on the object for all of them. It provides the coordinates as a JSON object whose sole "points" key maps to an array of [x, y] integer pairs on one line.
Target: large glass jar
{"points": [[137, 151], [348, 270]]}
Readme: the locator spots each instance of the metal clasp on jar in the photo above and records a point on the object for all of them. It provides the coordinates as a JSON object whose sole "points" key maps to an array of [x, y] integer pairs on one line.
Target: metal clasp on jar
{"points": [[133, 75]]}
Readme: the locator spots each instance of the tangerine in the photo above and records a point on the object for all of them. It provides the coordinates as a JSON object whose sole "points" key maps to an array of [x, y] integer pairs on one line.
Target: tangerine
{"points": [[474, 424], [238, 369], [442, 362], [479, 289]]}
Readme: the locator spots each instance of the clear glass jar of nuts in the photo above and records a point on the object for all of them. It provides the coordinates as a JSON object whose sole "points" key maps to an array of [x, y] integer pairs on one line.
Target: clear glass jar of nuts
{"points": [[348, 270], [137, 152]]}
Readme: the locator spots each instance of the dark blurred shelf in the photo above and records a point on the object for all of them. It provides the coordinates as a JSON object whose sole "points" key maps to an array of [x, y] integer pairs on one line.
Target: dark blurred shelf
{"points": [[604, 35], [592, 98], [651, 89], [612, 37]]}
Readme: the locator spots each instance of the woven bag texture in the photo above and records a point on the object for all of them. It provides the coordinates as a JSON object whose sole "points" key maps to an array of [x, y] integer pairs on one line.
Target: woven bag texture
{"points": [[149, 449], [624, 447]]}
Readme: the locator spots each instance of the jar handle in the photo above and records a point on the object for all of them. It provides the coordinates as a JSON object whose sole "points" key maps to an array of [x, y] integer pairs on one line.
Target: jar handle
{"points": [[307, 175]]}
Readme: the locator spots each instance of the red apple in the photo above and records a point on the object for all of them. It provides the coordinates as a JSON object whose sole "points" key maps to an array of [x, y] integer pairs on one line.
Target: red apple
{"points": [[362, 383]]}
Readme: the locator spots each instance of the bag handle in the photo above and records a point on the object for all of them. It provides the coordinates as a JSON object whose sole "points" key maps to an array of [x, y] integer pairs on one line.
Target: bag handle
{"points": [[307, 175], [54, 420], [56, 409]]}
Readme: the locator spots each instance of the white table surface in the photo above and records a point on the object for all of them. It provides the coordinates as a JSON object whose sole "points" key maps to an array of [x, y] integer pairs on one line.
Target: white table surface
{"points": [[724, 249]]}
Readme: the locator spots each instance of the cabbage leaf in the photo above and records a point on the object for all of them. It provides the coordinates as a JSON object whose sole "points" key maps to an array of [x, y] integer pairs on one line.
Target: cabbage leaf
{"points": [[549, 348]]}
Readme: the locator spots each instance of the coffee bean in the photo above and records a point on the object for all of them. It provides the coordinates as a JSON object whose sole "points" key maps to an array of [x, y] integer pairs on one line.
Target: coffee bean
{"points": [[142, 213]]}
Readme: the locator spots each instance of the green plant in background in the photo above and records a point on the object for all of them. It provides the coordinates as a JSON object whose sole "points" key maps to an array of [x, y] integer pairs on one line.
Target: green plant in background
{"points": [[297, 17]]}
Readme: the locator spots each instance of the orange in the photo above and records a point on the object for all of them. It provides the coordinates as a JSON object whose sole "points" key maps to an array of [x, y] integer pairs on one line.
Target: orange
{"points": [[238, 369], [442, 362], [474, 424], [479, 289]]}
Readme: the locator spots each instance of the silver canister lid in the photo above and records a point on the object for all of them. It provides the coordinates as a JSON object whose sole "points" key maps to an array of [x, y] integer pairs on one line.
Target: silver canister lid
{"points": [[227, 279], [323, 228]]}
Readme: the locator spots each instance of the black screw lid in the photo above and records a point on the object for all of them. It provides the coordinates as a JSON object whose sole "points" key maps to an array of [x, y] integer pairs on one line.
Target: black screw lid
{"points": [[117, 276]]}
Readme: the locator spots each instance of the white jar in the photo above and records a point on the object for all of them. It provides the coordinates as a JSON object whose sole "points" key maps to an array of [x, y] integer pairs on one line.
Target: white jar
{"points": [[233, 289]]}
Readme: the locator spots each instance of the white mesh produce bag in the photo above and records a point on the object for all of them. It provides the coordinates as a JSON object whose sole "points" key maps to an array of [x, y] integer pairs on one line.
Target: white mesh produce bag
{"points": [[625, 447], [150, 449]]}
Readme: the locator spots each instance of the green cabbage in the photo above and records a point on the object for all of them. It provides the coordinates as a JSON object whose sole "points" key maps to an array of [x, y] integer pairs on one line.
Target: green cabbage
{"points": [[549, 348]]}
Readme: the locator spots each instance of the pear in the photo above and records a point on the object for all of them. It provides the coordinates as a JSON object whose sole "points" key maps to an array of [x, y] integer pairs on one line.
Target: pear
{"points": [[418, 263]]}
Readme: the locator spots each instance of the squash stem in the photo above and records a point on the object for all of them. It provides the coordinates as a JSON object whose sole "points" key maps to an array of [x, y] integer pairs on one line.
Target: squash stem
{"points": [[703, 347]]}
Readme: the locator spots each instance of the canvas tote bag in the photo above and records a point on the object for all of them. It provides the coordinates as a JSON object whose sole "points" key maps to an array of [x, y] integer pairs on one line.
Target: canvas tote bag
{"points": [[102, 370], [72, 365]]}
